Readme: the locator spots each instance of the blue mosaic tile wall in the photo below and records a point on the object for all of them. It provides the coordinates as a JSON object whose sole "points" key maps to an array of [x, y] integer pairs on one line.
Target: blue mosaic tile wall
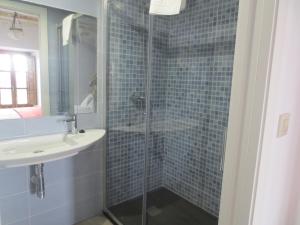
{"points": [[200, 61], [192, 61]]}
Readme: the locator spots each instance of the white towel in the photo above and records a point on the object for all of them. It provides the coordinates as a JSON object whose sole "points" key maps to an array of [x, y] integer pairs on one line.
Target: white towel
{"points": [[86, 106], [66, 28], [166, 7], [88, 102]]}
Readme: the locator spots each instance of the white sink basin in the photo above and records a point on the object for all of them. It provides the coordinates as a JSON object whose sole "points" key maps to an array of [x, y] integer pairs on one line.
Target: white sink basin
{"points": [[36, 150]]}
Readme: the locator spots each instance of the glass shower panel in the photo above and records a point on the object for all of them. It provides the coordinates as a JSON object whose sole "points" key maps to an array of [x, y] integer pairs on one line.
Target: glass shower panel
{"points": [[169, 84], [191, 71], [127, 51]]}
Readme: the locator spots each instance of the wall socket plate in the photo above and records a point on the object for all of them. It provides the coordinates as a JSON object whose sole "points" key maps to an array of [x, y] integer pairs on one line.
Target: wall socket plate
{"points": [[283, 124]]}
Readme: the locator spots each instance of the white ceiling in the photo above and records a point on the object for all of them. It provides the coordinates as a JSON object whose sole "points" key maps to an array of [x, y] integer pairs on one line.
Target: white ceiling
{"points": [[87, 7]]}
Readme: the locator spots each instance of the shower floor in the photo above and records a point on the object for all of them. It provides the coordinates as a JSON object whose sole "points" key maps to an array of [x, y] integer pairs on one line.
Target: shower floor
{"points": [[99, 220], [165, 208]]}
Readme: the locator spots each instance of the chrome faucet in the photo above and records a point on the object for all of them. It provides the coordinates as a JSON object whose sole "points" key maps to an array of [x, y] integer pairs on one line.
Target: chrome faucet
{"points": [[72, 124]]}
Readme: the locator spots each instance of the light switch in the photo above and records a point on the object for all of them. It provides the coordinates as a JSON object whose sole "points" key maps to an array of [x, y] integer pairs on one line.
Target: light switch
{"points": [[283, 125]]}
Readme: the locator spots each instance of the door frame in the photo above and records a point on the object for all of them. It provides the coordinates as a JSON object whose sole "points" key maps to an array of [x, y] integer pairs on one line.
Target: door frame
{"points": [[249, 97]]}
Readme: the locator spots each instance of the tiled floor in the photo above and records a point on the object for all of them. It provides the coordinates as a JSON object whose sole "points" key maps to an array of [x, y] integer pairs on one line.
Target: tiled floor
{"points": [[96, 221], [165, 208]]}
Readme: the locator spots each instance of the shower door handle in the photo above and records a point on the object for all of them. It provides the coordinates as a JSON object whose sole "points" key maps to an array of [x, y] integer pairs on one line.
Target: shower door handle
{"points": [[223, 150]]}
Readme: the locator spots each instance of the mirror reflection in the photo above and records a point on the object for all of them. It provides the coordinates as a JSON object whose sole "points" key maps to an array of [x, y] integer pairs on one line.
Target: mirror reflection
{"points": [[48, 61]]}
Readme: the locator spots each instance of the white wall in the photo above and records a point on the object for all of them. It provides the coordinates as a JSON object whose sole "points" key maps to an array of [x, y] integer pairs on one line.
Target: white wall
{"points": [[88, 7], [278, 197], [30, 40]]}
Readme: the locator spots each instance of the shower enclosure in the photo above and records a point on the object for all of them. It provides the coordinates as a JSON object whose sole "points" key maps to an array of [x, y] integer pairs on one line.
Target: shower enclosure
{"points": [[169, 82]]}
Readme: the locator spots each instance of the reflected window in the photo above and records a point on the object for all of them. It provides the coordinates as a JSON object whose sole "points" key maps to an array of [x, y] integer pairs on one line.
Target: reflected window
{"points": [[17, 79]]}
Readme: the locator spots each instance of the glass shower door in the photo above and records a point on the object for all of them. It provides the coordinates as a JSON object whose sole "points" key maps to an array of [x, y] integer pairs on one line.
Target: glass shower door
{"points": [[169, 84], [190, 59], [125, 163]]}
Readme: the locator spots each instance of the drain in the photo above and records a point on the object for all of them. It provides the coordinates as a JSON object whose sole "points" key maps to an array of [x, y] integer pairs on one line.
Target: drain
{"points": [[154, 211], [38, 151]]}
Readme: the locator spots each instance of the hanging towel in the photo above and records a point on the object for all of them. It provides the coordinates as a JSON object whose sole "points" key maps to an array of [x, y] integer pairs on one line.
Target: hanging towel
{"points": [[166, 7], [86, 106], [66, 28]]}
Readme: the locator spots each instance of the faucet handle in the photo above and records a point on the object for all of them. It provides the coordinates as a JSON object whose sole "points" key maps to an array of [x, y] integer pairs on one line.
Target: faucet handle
{"points": [[72, 119], [67, 118]]}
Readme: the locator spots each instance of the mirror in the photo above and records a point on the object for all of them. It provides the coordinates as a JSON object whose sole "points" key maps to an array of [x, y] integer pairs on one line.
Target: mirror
{"points": [[48, 61]]}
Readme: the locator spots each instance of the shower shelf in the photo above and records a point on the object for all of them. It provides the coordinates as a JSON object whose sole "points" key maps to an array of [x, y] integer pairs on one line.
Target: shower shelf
{"points": [[159, 126]]}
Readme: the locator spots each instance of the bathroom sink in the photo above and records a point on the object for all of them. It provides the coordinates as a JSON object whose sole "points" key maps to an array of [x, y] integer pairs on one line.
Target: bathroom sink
{"points": [[41, 149]]}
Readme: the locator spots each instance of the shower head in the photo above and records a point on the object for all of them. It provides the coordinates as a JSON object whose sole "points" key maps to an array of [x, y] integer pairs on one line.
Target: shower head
{"points": [[166, 7]]}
